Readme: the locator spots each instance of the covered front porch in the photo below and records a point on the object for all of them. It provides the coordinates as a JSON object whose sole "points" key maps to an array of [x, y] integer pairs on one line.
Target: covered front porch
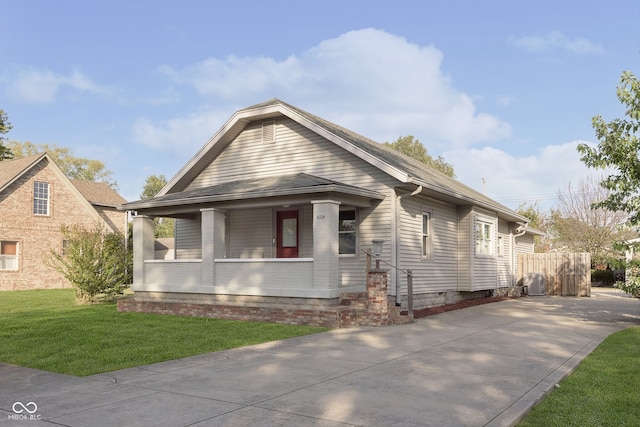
{"points": [[281, 239]]}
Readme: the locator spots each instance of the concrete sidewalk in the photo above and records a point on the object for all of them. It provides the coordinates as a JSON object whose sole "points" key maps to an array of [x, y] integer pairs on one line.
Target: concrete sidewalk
{"points": [[481, 366]]}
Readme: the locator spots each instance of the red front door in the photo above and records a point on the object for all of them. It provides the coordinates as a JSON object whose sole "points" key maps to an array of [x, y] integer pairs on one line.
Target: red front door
{"points": [[287, 240]]}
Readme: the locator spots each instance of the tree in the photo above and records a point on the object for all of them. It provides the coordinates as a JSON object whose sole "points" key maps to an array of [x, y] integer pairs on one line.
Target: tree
{"points": [[538, 220], [617, 152], [414, 148], [72, 166], [152, 186], [5, 127], [579, 227], [164, 227], [93, 260]]}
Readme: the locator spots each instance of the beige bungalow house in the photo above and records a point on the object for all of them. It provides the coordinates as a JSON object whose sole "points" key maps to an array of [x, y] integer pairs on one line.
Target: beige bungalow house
{"points": [[280, 206]]}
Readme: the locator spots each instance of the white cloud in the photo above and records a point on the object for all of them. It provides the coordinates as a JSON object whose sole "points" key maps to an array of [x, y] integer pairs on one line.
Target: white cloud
{"points": [[512, 179], [556, 40], [370, 81], [505, 101], [178, 134], [31, 85], [382, 86]]}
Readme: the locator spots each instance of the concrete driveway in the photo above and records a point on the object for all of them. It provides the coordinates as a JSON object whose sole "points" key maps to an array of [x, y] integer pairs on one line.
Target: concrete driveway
{"points": [[481, 366]]}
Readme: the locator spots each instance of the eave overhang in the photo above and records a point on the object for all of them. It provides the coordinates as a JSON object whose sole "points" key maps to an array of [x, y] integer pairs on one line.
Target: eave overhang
{"points": [[270, 191]]}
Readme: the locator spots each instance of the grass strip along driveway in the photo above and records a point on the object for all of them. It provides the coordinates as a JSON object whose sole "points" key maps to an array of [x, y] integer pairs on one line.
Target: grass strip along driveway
{"points": [[602, 391], [45, 329]]}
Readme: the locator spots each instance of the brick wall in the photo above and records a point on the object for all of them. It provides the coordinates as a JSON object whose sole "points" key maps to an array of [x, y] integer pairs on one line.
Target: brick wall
{"points": [[38, 235], [371, 308]]}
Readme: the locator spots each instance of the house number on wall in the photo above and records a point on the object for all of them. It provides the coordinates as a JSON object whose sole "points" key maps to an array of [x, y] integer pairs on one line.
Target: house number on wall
{"points": [[320, 217]]}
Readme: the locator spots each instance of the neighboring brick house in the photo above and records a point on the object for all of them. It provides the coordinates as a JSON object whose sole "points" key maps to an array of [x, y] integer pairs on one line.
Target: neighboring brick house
{"points": [[36, 200]]}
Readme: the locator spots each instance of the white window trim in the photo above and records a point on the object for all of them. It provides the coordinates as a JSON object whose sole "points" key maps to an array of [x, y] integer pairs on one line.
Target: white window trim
{"points": [[500, 245], [426, 253], [353, 255], [47, 200], [4, 258], [482, 221]]}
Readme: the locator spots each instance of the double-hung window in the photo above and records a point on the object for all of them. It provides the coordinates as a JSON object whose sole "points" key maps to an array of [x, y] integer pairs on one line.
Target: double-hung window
{"points": [[347, 228], [426, 234], [40, 198], [484, 238], [8, 255]]}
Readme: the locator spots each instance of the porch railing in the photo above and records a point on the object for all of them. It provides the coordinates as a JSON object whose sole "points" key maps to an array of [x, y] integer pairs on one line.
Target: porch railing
{"points": [[281, 273], [247, 276]]}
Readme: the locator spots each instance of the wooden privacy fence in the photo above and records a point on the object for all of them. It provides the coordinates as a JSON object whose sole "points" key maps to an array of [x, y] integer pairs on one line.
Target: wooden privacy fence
{"points": [[564, 274]]}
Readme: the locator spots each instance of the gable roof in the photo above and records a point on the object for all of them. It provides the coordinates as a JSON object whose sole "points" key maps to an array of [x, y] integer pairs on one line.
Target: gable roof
{"points": [[11, 170], [98, 193], [405, 169], [89, 194]]}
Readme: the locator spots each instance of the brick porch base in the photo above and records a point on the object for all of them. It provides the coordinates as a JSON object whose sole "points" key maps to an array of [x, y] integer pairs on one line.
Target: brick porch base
{"points": [[371, 308]]}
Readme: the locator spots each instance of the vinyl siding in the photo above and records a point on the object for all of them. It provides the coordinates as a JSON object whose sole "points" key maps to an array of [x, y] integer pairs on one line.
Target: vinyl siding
{"points": [[188, 239], [298, 150], [251, 233], [465, 248], [373, 223], [505, 275], [523, 245], [439, 272], [485, 267], [295, 150], [306, 232]]}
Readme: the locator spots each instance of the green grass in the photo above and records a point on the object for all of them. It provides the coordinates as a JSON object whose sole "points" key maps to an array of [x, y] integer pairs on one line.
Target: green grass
{"points": [[45, 329], [603, 391]]}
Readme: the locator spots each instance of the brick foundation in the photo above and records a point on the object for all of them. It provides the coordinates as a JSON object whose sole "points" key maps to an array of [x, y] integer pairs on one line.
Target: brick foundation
{"points": [[370, 308]]}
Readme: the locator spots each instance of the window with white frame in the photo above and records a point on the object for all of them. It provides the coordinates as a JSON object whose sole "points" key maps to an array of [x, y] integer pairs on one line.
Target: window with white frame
{"points": [[484, 238], [8, 255], [40, 198], [347, 232], [427, 241]]}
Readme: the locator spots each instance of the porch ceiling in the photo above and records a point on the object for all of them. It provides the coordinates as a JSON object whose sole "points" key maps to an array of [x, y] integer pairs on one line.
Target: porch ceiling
{"points": [[266, 191]]}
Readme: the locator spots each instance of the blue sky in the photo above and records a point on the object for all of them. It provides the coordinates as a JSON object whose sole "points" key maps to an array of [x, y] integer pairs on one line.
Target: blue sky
{"points": [[503, 90]]}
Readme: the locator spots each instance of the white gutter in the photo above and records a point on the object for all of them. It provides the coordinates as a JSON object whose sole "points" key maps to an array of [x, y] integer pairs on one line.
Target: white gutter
{"points": [[524, 226]]}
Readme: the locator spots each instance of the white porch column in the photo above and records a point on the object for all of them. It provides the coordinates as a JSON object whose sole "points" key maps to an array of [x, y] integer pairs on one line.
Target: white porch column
{"points": [[143, 243], [325, 244], [213, 243]]}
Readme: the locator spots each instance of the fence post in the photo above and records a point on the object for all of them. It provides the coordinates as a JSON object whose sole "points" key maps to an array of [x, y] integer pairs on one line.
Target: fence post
{"points": [[410, 294]]}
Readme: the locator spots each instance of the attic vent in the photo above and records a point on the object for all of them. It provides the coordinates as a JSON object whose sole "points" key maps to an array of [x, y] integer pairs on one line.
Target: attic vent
{"points": [[269, 131]]}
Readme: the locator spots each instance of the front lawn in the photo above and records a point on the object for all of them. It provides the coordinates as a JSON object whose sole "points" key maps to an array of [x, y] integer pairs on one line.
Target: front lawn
{"points": [[602, 391], [45, 329]]}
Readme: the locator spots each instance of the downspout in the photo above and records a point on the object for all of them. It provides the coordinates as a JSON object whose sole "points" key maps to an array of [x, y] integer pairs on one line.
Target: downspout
{"points": [[126, 241], [514, 255], [396, 240]]}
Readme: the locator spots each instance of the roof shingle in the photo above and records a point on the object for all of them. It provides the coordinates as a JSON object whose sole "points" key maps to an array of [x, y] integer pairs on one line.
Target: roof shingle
{"points": [[98, 193]]}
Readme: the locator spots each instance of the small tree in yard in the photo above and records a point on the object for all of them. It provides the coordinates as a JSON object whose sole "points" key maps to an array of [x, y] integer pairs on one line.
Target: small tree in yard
{"points": [[618, 151], [631, 284], [93, 260]]}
